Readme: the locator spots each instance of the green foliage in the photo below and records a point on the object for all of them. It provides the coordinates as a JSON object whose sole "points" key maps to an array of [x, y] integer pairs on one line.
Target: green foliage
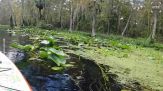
{"points": [[25, 48], [4, 27], [43, 25], [44, 49], [78, 38]]}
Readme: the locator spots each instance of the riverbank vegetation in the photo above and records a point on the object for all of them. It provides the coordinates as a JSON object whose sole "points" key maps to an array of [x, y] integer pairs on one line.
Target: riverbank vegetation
{"points": [[132, 60], [121, 38]]}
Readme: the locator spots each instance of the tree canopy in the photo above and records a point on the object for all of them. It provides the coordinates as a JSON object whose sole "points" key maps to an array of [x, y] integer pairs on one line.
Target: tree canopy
{"points": [[134, 18]]}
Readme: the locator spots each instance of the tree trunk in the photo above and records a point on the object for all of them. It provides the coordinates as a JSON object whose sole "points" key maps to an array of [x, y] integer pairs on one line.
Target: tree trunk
{"points": [[75, 16], [119, 20], [154, 27], [93, 26], [12, 20], [22, 1], [124, 30], [60, 14], [108, 26], [71, 18], [94, 21], [109, 12], [40, 14], [119, 23]]}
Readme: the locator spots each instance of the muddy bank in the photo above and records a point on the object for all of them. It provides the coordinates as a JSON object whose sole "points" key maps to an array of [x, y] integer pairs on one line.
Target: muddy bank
{"points": [[91, 76]]}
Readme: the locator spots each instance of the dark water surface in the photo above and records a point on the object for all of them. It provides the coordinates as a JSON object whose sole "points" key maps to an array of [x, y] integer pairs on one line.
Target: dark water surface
{"points": [[6, 39], [38, 82]]}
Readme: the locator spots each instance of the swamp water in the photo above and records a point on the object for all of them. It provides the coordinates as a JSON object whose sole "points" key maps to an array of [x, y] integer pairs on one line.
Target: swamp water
{"points": [[37, 80]]}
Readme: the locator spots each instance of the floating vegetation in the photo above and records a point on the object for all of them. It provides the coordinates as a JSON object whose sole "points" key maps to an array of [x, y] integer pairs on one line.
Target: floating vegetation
{"points": [[44, 50]]}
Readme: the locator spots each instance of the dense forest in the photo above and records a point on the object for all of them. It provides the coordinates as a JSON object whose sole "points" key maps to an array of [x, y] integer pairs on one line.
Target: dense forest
{"points": [[134, 18], [84, 45]]}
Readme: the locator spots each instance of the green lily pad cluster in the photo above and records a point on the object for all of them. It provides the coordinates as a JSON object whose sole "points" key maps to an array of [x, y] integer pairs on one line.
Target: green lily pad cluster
{"points": [[44, 49]]}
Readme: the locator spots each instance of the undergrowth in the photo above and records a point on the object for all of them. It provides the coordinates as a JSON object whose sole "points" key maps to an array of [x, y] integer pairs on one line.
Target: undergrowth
{"points": [[78, 38]]}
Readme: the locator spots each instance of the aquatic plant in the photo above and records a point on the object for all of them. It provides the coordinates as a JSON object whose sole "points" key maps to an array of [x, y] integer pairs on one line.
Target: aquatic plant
{"points": [[46, 50]]}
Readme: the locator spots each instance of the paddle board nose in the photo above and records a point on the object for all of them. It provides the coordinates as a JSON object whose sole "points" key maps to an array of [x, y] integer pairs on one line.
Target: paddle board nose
{"points": [[11, 77]]}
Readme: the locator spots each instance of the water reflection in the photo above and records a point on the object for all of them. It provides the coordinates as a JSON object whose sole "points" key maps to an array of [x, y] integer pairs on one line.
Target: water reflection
{"points": [[10, 38]]}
